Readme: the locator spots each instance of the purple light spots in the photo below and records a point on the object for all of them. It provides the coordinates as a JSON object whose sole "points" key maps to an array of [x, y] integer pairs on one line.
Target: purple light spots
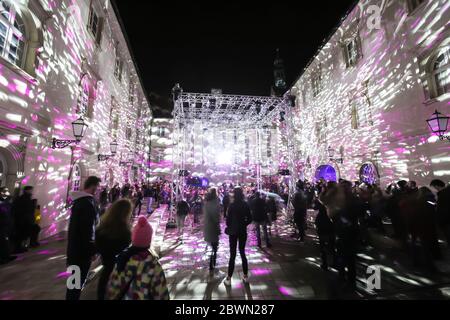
{"points": [[261, 272], [286, 291], [63, 275]]}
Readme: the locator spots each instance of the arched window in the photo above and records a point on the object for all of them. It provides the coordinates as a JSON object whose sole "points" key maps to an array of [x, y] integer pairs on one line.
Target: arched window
{"points": [[12, 34], [440, 71], [76, 178]]}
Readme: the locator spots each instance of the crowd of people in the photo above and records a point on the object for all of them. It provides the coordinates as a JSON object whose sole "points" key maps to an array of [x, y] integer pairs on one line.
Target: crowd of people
{"points": [[19, 223], [101, 224], [346, 212]]}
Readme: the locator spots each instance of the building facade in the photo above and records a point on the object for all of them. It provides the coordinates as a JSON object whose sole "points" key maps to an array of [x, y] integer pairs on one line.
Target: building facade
{"points": [[61, 61], [363, 101]]}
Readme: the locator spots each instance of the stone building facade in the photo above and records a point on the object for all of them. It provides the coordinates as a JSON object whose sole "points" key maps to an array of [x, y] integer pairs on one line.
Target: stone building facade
{"points": [[61, 61], [363, 101]]}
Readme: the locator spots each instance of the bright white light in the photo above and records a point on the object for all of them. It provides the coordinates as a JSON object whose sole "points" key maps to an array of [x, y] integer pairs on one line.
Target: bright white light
{"points": [[224, 157]]}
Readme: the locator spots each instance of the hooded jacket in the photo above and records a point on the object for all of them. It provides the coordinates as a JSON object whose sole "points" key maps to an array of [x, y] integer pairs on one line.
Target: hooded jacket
{"points": [[83, 221]]}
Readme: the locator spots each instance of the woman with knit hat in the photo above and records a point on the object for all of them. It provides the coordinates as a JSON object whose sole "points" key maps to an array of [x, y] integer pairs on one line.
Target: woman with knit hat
{"points": [[138, 275]]}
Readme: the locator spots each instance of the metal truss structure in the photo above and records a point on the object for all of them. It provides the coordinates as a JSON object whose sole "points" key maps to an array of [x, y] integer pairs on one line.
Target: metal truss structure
{"points": [[230, 111], [220, 111]]}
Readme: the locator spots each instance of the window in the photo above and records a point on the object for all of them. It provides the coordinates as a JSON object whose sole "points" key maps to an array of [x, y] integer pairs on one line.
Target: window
{"points": [[84, 107], [316, 84], [440, 72], [161, 132], [131, 93], [114, 118], [128, 133], [414, 4], [361, 113], [352, 51], [95, 25], [76, 178], [12, 34], [118, 66]]}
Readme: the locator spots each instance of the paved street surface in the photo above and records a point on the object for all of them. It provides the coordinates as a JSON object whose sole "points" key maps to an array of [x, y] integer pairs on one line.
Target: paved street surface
{"points": [[289, 270]]}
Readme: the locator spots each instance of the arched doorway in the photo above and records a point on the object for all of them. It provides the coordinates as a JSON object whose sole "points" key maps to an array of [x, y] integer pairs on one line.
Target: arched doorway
{"points": [[326, 172], [368, 173], [3, 171]]}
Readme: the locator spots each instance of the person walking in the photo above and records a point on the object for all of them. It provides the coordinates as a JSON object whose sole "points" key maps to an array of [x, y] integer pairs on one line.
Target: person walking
{"points": [[23, 209], [138, 203], [211, 212], [182, 212], [300, 209], [226, 202], [443, 207], [81, 236], [238, 218], [138, 275], [113, 235], [6, 227], [272, 210], [260, 219]]}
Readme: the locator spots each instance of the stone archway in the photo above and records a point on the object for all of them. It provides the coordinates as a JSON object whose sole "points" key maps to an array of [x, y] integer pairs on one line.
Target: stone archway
{"points": [[11, 168], [368, 173], [326, 172]]}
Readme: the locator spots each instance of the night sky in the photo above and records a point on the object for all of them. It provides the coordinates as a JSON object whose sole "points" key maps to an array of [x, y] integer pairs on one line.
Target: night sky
{"points": [[229, 45]]}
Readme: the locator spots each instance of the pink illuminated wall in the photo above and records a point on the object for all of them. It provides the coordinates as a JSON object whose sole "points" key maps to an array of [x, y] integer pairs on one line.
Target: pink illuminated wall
{"points": [[376, 110], [40, 101]]}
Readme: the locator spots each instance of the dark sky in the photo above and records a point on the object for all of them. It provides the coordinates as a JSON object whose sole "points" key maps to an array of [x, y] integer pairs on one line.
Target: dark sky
{"points": [[229, 45]]}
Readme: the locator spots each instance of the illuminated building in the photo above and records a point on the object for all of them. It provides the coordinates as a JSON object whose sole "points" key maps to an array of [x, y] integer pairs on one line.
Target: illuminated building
{"points": [[60, 61], [363, 101]]}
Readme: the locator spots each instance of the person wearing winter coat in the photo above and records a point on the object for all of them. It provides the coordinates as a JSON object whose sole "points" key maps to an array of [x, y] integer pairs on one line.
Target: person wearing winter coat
{"points": [[300, 210], [23, 209], [138, 275], [211, 213], [182, 212], [81, 235], [260, 218], [238, 218], [6, 227], [443, 207], [113, 235]]}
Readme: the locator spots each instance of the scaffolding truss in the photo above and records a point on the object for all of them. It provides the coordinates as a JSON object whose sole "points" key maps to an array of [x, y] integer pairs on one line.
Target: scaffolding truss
{"points": [[231, 111], [220, 111]]}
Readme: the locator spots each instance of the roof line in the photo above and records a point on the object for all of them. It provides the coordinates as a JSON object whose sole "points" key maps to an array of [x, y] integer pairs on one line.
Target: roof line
{"points": [[130, 50], [326, 40]]}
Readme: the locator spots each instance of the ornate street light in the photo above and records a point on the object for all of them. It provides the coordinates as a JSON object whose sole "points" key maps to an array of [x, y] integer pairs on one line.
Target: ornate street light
{"points": [[438, 125], [104, 157], [331, 153], [79, 128]]}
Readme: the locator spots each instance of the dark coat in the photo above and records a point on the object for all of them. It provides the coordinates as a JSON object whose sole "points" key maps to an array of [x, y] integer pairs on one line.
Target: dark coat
{"points": [[443, 206], [109, 246], [82, 224], [238, 218], [259, 210], [6, 218], [183, 208], [23, 210]]}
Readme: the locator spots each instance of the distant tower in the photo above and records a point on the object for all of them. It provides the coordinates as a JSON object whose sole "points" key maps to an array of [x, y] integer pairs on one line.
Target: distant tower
{"points": [[280, 85]]}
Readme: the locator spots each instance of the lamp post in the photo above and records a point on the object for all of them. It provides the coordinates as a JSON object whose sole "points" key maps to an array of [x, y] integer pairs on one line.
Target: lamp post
{"points": [[331, 153], [438, 124], [79, 128], [104, 157]]}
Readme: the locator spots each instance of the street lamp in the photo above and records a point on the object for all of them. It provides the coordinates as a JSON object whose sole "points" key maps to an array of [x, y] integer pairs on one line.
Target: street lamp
{"points": [[104, 157], [79, 128], [438, 125], [331, 153]]}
